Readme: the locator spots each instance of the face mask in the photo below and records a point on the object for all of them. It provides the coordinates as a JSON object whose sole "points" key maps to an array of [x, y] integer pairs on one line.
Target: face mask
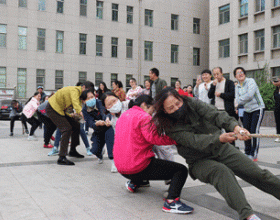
{"points": [[91, 103], [116, 108], [179, 113]]}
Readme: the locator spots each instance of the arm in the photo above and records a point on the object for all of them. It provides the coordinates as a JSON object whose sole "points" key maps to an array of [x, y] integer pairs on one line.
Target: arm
{"points": [[122, 95], [101, 109], [89, 119], [249, 95], [211, 92], [229, 95], [75, 100], [195, 91]]}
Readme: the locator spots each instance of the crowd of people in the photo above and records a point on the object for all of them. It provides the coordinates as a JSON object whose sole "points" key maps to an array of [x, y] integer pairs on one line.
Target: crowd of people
{"points": [[140, 127]]}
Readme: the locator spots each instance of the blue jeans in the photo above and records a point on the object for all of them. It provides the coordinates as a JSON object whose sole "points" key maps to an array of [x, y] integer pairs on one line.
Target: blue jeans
{"points": [[82, 132], [99, 139], [252, 122]]}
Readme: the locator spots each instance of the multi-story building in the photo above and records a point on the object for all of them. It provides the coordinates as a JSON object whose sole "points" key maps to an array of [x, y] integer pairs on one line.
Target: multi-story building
{"points": [[58, 43], [245, 33]]}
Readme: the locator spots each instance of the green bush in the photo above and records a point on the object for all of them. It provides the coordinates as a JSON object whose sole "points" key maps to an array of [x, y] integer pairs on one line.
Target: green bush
{"points": [[267, 90]]}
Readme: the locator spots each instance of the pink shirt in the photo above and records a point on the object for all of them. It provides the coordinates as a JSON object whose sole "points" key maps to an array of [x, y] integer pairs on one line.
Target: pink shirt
{"points": [[134, 140], [131, 91], [31, 107]]}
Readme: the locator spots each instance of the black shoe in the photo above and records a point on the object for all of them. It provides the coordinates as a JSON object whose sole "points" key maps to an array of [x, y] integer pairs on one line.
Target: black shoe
{"points": [[26, 131], [11, 134], [63, 161], [74, 153]]}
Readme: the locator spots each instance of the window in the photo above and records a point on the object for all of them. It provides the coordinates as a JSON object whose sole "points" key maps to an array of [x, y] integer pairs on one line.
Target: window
{"points": [[224, 48], [2, 1], [40, 78], [99, 46], [243, 44], [260, 5], [82, 76], [114, 42], [173, 81], [259, 37], [129, 48], [83, 44], [115, 12], [196, 25], [149, 18], [276, 37], [174, 53], [83, 7], [129, 14], [276, 3], [148, 50], [127, 81], [114, 76], [59, 41], [224, 14], [174, 22], [41, 39], [196, 56], [21, 83], [99, 9], [243, 8], [2, 77], [42, 5], [3, 35], [98, 78], [22, 3], [58, 79], [276, 71], [59, 8], [22, 33]]}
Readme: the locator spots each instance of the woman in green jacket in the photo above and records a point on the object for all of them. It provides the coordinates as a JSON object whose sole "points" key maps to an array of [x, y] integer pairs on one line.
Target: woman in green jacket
{"points": [[196, 127]]}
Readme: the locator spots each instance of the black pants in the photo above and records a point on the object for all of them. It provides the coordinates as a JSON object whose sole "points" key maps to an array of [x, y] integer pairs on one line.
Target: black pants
{"points": [[32, 121], [163, 170], [17, 117], [277, 120], [50, 127]]}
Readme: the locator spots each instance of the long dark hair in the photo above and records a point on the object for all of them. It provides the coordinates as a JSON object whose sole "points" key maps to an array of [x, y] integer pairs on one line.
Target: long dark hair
{"points": [[83, 96], [141, 99], [161, 118], [100, 92], [36, 93], [105, 95]]}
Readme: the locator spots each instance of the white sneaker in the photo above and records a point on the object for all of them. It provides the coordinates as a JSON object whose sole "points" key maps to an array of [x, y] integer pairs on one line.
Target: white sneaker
{"points": [[277, 140], [113, 167], [100, 161], [32, 138]]}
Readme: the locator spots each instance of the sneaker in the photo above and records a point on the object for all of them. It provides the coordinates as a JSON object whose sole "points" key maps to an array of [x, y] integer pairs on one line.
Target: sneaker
{"points": [[100, 161], [53, 152], [250, 157], [176, 207], [145, 183], [113, 167], [11, 134], [253, 217], [52, 138], [255, 159], [48, 146], [130, 186], [89, 152], [86, 132], [63, 161], [74, 153], [26, 131], [31, 138]]}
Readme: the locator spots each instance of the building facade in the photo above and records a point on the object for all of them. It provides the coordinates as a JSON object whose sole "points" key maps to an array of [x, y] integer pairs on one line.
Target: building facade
{"points": [[58, 43], [245, 33]]}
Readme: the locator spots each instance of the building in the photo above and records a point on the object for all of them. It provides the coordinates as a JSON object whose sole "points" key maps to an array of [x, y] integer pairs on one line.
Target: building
{"points": [[245, 33], [58, 43]]}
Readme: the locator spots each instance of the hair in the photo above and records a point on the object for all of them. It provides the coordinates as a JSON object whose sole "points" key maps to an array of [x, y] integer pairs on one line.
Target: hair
{"points": [[234, 71], [14, 102], [99, 91], [188, 86], [83, 96], [155, 71], [88, 85], [142, 87], [141, 99], [118, 83], [220, 68], [206, 71], [105, 95], [79, 84], [178, 81], [133, 79], [35, 94], [161, 118]]}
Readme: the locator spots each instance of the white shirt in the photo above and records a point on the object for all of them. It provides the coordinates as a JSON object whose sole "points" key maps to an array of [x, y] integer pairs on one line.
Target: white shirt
{"points": [[201, 93], [220, 88]]}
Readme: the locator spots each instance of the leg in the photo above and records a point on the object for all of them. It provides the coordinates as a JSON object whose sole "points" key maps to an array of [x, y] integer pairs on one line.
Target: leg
{"points": [[98, 142], [49, 128], [84, 136], [247, 119], [34, 124], [277, 120], [57, 138], [109, 140], [223, 179], [12, 123], [24, 123]]}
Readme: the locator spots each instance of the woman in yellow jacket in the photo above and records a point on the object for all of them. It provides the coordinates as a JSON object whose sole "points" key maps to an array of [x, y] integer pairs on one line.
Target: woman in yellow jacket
{"points": [[66, 100]]}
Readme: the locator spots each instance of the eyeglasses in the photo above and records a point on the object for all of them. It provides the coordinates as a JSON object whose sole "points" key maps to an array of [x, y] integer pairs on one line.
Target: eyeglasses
{"points": [[239, 73]]}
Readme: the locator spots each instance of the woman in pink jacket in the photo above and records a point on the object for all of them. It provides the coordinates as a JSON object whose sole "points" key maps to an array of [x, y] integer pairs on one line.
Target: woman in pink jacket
{"points": [[135, 137], [28, 114]]}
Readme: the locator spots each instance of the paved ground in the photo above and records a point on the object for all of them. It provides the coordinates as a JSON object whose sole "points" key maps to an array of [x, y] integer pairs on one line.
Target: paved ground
{"points": [[32, 186]]}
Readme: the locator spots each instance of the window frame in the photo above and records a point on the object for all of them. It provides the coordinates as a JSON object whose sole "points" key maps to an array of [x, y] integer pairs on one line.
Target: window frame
{"points": [[82, 44], [149, 18], [129, 48], [40, 76], [258, 41], [222, 48], [174, 22], [129, 14], [128, 77], [98, 79], [115, 12], [22, 3], [3, 2], [41, 5], [4, 35], [113, 78], [276, 3], [21, 72], [98, 53], [58, 85], [196, 26], [114, 47], [243, 7], [173, 81], [222, 14], [82, 78], [243, 44], [58, 40], [22, 36], [148, 51], [3, 73], [276, 37], [196, 56], [41, 38], [259, 5], [174, 53], [83, 8], [58, 6], [99, 9]]}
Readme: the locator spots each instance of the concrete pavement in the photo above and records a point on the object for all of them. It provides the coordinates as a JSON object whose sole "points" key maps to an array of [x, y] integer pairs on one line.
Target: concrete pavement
{"points": [[32, 186]]}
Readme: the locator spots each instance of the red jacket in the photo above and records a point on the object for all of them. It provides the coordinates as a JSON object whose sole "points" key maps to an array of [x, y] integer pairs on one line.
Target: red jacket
{"points": [[134, 140]]}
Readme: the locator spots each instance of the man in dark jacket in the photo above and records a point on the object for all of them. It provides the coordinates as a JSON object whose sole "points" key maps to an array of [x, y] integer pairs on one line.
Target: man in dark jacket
{"points": [[157, 83], [222, 92]]}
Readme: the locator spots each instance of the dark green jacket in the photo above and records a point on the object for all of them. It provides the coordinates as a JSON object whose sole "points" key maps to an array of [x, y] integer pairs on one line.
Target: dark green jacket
{"points": [[160, 85], [197, 136]]}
